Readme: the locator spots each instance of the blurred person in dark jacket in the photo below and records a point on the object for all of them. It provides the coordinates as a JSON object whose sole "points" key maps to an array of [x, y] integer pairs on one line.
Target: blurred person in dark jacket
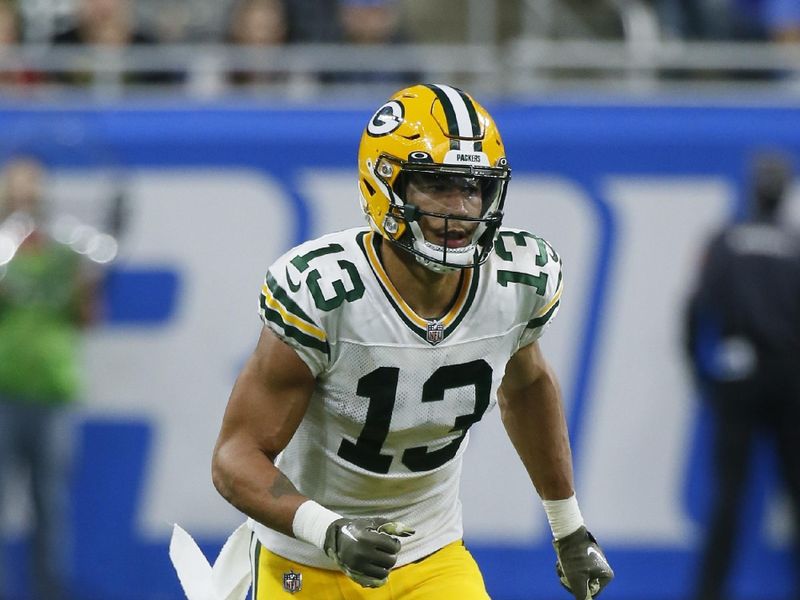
{"points": [[47, 294], [744, 343]]}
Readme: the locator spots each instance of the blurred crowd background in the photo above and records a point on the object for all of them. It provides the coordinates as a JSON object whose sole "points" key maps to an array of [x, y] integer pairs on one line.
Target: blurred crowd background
{"points": [[299, 46]]}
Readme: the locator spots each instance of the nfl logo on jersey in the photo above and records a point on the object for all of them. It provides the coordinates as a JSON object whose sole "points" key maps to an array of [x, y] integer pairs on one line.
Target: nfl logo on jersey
{"points": [[292, 582], [435, 333]]}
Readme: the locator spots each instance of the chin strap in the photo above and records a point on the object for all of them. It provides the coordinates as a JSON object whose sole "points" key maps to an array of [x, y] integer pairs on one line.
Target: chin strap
{"points": [[434, 266]]}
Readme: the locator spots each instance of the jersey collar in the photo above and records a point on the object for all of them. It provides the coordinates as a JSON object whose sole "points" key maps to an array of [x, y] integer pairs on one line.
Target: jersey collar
{"points": [[431, 330]]}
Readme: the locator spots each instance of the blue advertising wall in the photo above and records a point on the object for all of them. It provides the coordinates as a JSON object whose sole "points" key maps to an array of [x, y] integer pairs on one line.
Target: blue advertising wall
{"points": [[585, 146]]}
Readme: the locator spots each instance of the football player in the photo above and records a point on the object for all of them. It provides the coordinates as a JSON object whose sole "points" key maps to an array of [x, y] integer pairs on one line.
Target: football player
{"points": [[381, 347]]}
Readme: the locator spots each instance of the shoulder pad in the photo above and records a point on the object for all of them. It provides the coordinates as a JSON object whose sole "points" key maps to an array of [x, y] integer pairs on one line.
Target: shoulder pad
{"points": [[303, 290]]}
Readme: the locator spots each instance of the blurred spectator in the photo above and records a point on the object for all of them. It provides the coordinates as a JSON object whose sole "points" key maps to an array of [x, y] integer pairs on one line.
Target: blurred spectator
{"points": [[744, 343], [697, 19], [172, 21], [373, 22], [313, 21], [106, 22], [14, 74], [753, 20], [109, 23], [370, 21], [46, 295], [10, 30], [775, 20], [258, 23]]}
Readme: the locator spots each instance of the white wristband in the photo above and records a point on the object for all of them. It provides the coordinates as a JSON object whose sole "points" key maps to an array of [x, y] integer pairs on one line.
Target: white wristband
{"points": [[564, 516], [311, 523]]}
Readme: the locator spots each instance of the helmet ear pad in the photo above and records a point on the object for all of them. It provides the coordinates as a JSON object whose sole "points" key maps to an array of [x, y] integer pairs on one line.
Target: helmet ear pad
{"points": [[395, 223], [382, 206]]}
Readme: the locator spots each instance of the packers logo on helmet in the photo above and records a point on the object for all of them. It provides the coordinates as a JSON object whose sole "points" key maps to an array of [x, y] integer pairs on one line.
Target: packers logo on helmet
{"points": [[434, 137]]}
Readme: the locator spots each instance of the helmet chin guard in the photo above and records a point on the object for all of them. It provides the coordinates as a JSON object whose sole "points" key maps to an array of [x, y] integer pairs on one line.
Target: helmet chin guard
{"points": [[443, 259], [442, 267]]}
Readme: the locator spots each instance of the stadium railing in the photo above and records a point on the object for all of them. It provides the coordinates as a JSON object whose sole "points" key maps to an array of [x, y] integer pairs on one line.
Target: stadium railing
{"points": [[306, 71]]}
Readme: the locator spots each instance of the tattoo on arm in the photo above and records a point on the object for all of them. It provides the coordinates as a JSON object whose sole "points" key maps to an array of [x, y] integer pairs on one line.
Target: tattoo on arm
{"points": [[281, 486]]}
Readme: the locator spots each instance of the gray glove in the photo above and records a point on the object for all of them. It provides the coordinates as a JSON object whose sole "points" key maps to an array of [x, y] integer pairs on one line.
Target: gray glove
{"points": [[581, 566], [365, 549]]}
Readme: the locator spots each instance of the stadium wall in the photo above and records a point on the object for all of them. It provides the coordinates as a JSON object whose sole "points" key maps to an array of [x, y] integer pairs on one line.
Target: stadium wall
{"points": [[626, 194]]}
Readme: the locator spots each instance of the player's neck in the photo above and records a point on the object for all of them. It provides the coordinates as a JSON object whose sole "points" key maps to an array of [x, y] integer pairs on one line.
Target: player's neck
{"points": [[429, 294]]}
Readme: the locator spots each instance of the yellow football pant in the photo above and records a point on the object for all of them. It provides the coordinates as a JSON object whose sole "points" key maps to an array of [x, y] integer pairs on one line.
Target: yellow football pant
{"points": [[449, 574]]}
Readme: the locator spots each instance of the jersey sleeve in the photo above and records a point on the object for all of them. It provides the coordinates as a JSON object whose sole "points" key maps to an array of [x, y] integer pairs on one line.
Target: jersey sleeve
{"points": [[547, 304], [287, 308]]}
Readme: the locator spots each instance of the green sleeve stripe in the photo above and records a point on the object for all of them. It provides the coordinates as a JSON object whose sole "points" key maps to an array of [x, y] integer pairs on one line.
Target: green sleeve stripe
{"points": [[301, 338], [290, 305], [539, 321]]}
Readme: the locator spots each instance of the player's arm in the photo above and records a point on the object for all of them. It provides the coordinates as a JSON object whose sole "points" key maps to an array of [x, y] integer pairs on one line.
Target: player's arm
{"points": [[265, 408], [533, 415]]}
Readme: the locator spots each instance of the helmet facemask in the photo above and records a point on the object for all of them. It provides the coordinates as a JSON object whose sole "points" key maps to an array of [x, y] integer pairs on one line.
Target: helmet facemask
{"points": [[459, 207]]}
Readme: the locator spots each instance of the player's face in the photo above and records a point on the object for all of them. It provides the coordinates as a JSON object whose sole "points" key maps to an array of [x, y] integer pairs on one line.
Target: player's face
{"points": [[448, 195]]}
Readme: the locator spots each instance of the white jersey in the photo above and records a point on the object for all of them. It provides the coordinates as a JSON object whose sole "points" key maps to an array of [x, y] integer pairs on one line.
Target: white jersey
{"points": [[396, 393]]}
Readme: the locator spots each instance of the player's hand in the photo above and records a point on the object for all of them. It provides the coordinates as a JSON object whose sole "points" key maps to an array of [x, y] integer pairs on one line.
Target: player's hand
{"points": [[365, 549], [581, 566]]}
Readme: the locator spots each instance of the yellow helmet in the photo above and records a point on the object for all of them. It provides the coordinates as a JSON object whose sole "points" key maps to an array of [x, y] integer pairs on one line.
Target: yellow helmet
{"points": [[441, 131]]}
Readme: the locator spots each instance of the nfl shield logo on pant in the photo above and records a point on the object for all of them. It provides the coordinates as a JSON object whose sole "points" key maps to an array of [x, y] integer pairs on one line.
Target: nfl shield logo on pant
{"points": [[292, 582]]}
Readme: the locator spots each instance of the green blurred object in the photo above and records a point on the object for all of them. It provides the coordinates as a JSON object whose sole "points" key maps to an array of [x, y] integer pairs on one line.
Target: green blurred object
{"points": [[39, 325]]}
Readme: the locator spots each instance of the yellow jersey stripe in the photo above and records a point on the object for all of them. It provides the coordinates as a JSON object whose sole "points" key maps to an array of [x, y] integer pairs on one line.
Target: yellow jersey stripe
{"points": [[290, 318], [398, 299], [549, 305], [389, 286], [461, 299]]}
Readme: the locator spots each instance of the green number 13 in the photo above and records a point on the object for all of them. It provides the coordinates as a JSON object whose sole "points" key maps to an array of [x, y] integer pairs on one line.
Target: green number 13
{"points": [[537, 282], [302, 262]]}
